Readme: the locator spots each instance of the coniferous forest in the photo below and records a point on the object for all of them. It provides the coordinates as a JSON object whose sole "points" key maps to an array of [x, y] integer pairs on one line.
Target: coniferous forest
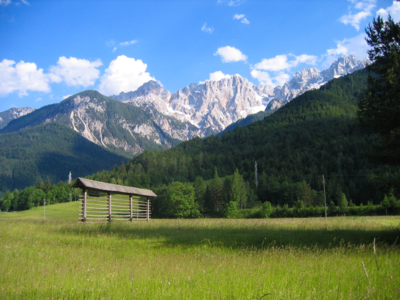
{"points": [[317, 134]]}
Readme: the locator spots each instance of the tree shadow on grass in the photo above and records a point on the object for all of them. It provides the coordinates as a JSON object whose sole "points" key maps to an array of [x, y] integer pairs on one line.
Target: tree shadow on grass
{"points": [[242, 237]]}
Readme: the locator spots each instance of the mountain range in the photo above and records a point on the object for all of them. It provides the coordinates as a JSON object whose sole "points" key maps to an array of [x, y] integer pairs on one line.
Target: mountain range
{"points": [[214, 105], [153, 118], [315, 134]]}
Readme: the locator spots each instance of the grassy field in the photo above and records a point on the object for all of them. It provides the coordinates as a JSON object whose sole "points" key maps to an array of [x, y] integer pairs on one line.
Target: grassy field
{"points": [[197, 259]]}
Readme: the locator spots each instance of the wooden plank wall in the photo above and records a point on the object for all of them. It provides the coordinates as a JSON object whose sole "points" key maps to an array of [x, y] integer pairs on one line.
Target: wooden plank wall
{"points": [[114, 208]]}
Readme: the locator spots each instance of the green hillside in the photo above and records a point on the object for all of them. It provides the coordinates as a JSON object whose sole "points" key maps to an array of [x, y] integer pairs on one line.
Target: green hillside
{"points": [[59, 211], [49, 152], [248, 120], [315, 134], [102, 110]]}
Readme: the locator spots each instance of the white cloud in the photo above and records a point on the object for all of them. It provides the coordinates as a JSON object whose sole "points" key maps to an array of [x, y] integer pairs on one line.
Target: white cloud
{"points": [[218, 75], [242, 18], [245, 21], [393, 10], [110, 43], [66, 96], [277, 65], [115, 48], [232, 2], [38, 99], [75, 72], [22, 77], [128, 43], [207, 29], [265, 78], [356, 46], [124, 74], [25, 2], [365, 7], [281, 62], [281, 78], [262, 77], [5, 2], [238, 17], [230, 54]]}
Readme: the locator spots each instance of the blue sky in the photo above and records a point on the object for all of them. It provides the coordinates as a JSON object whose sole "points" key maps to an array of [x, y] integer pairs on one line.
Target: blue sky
{"points": [[52, 49]]}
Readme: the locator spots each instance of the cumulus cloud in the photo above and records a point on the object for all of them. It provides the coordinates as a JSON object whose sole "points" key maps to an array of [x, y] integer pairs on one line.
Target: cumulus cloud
{"points": [[124, 74], [232, 2], [356, 46], [265, 78], [364, 7], [242, 18], [393, 10], [230, 54], [75, 72], [282, 62], [277, 66], [21, 77], [218, 75], [128, 43], [207, 29]]}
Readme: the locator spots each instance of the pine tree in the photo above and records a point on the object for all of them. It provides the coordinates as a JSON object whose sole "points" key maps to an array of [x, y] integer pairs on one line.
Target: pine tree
{"points": [[216, 191], [379, 108], [199, 189], [238, 190]]}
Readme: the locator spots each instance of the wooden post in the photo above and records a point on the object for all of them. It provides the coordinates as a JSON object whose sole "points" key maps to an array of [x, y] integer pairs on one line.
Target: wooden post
{"points": [[130, 208], [323, 181], [84, 205], [148, 210], [109, 207]]}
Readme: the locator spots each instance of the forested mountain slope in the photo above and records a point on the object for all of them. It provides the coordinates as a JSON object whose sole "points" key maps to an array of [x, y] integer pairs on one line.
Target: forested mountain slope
{"points": [[121, 128], [315, 134], [49, 152]]}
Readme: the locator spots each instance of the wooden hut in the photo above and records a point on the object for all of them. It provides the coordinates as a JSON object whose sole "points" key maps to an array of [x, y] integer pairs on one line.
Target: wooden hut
{"points": [[117, 203]]}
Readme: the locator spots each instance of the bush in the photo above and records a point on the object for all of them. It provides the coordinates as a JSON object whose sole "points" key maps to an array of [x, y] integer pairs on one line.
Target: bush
{"points": [[266, 209], [230, 210]]}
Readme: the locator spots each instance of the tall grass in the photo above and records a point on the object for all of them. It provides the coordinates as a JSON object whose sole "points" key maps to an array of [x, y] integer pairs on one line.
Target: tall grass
{"points": [[200, 259]]}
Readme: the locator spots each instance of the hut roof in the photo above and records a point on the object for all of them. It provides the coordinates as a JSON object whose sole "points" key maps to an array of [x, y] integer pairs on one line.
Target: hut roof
{"points": [[111, 188]]}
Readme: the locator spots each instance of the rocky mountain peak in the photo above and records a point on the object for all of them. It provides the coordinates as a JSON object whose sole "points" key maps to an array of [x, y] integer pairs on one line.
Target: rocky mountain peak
{"points": [[342, 66], [214, 104], [12, 114]]}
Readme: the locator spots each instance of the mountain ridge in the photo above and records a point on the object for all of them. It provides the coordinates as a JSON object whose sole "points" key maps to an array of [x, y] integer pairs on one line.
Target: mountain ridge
{"points": [[212, 106]]}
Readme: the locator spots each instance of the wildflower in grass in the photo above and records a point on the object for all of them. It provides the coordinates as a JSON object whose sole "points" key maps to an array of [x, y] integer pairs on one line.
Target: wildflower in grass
{"points": [[169, 283]]}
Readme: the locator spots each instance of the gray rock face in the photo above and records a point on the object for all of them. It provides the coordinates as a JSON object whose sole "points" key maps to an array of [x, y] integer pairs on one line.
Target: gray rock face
{"points": [[13, 113], [312, 78], [119, 127], [275, 104], [214, 105], [210, 106]]}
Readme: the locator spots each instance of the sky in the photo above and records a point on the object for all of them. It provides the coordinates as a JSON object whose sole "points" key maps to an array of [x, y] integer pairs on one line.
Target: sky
{"points": [[53, 49]]}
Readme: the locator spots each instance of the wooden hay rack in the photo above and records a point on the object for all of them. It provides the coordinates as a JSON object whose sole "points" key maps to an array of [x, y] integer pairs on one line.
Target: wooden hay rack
{"points": [[109, 202]]}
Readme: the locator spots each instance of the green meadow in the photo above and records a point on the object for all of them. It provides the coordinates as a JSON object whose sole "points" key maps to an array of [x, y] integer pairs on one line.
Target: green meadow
{"points": [[313, 258]]}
